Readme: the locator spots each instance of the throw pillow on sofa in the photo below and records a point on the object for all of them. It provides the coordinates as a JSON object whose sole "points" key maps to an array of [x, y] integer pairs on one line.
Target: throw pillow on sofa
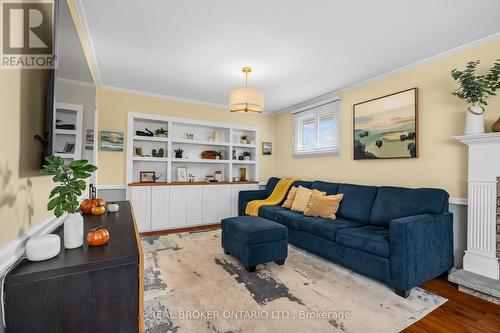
{"points": [[324, 206], [314, 194], [301, 199], [291, 196]]}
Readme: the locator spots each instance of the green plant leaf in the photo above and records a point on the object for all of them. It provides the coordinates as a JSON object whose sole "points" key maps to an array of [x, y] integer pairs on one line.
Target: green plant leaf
{"points": [[54, 202], [77, 164]]}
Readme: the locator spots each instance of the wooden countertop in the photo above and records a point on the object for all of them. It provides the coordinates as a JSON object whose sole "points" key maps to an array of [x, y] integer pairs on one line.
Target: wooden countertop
{"points": [[191, 183]]}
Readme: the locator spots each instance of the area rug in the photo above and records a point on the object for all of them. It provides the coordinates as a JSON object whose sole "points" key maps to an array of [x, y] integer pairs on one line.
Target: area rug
{"points": [[192, 286]]}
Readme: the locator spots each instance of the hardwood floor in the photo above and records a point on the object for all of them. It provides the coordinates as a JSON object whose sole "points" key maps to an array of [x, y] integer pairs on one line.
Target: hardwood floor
{"points": [[462, 312]]}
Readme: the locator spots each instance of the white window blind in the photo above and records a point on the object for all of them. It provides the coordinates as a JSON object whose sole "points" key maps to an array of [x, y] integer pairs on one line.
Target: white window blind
{"points": [[317, 130]]}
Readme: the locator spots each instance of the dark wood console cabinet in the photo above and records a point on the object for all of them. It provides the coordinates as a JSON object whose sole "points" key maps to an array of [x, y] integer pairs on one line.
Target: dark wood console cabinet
{"points": [[89, 289]]}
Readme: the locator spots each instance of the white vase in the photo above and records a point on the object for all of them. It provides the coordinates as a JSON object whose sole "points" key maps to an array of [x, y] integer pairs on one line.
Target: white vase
{"points": [[73, 231], [474, 120], [247, 158]]}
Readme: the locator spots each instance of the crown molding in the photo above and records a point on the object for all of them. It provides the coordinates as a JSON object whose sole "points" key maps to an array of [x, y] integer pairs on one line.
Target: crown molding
{"points": [[331, 95], [75, 82], [80, 11]]}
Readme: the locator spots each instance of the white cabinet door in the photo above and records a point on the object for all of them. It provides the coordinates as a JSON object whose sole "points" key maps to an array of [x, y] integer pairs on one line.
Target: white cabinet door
{"points": [[235, 191], [224, 202], [140, 197], [210, 204], [178, 206], [194, 204], [160, 207]]}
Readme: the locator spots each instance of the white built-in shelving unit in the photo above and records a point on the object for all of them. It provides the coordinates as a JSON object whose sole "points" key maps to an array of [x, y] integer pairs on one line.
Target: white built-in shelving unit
{"points": [[169, 204], [70, 114], [205, 136]]}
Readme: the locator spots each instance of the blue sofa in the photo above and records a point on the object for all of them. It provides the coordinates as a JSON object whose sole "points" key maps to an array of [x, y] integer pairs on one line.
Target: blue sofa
{"points": [[400, 236]]}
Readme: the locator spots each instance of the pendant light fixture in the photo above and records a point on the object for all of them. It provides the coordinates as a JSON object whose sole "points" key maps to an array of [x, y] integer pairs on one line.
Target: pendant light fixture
{"points": [[246, 99]]}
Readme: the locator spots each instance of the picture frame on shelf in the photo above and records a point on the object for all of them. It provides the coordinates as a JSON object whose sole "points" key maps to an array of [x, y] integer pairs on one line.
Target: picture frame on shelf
{"points": [[243, 174], [138, 151], [267, 148], [182, 175], [218, 176], [69, 148], [147, 176]]}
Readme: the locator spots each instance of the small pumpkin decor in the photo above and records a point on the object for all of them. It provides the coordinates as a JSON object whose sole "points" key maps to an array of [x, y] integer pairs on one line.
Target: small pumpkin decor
{"points": [[97, 236], [98, 210], [87, 204]]}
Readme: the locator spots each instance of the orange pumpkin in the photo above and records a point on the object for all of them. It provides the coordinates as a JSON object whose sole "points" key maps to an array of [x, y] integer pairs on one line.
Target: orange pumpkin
{"points": [[97, 236], [87, 205], [98, 210]]}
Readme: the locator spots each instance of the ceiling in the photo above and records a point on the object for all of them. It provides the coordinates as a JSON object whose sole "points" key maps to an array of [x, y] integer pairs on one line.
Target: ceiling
{"points": [[72, 64], [298, 49]]}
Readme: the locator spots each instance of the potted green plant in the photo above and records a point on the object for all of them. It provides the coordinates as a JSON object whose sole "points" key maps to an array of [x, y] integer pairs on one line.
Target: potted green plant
{"points": [[64, 197], [161, 132], [244, 139], [178, 152], [246, 155], [474, 90]]}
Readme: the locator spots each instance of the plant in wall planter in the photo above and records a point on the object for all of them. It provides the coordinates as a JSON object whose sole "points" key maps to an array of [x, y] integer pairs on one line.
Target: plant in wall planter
{"points": [[475, 89], [64, 197], [246, 155]]}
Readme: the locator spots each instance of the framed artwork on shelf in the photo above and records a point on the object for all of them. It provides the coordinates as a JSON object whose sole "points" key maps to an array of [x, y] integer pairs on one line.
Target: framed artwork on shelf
{"points": [[267, 148], [147, 177], [111, 141], [386, 127], [182, 175], [138, 151], [243, 174], [69, 148]]}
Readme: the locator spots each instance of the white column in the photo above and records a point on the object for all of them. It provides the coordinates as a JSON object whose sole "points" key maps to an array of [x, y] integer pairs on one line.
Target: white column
{"points": [[484, 167]]}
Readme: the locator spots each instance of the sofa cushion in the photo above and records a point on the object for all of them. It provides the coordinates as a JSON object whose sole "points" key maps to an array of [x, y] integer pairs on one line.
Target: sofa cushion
{"points": [[395, 202], [288, 218], [357, 202], [271, 184], [329, 188], [269, 212], [370, 239], [326, 228], [254, 229]]}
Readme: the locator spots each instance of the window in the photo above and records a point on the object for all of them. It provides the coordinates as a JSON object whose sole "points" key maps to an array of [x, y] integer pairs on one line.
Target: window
{"points": [[317, 130]]}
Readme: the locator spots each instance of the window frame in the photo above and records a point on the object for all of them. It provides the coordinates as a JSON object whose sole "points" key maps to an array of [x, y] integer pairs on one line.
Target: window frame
{"points": [[317, 110]]}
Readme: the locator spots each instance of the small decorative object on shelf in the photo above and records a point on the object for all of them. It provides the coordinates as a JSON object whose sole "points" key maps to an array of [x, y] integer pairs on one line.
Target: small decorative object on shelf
{"points": [[246, 155], [236, 179], [97, 236], [161, 152], [161, 132], [113, 207], [64, 197], [243, 174], [68, 127], [209, 178], [142, 133], [211, 139], [222, 154], [234, 154], [244, 139], [138, 151], [154, 153], [191, 178], [147, 177], [474, 90], [217, 155], [182, 174], [218, 175], [208, 155], [178, 153], [267, 148], [216, 136], [189, 136], [241, 158]]}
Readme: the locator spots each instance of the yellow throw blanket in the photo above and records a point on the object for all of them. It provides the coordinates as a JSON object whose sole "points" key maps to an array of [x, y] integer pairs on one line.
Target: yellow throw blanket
{"points": [[279, 193]]}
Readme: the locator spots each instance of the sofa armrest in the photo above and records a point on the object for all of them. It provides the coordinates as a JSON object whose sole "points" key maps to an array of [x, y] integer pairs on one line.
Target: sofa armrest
{"points": [[246, 196], [421, 248]]}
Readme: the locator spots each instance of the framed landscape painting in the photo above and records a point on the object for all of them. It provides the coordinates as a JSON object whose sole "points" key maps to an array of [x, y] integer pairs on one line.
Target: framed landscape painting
{"points": [[386, 127]]}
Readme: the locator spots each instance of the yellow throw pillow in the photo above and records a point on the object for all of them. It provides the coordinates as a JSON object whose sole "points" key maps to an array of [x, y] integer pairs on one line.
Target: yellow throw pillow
{"points": [[289, 199], [301, 199], [324, 206], [314, 194]]}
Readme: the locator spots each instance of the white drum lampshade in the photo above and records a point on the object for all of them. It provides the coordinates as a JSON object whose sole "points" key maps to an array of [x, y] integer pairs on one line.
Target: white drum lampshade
{"points": [[246, 99]]}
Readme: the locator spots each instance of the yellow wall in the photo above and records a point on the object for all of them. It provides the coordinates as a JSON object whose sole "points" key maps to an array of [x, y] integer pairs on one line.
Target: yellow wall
{"points": [[442, 162], [113, 108], [23, 190]]}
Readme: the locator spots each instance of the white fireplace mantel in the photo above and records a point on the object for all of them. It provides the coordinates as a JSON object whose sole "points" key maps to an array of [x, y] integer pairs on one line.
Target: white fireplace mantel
{"points": [[484, 168]]}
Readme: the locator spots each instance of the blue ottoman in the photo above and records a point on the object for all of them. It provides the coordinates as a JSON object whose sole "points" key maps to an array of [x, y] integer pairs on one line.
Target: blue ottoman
{"points": [[254, 240]]}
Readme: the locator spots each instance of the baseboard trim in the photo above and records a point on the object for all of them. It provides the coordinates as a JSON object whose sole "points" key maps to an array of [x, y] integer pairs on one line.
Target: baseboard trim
{"points": [[13, 250], [187, 229]]}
